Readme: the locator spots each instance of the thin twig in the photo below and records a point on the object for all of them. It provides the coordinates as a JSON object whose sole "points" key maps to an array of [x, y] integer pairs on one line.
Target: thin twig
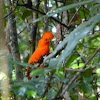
{"points": [[59, 91], [81, 55], [33, 9], [78, 73], [47, 85], [73, 16], [17, 35], [88, 47], [56, 2], [10, 12], [73, 70]]}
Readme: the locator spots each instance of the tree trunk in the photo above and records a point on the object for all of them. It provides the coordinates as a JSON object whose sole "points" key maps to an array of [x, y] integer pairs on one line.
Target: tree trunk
{"points": [[45, 19], [34, 28], [3, 58], [14, 41]]}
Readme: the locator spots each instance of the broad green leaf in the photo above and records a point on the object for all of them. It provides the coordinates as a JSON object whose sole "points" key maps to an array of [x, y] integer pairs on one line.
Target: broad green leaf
{"points": [[73, 39], [39, 71], [94, 9], [65, 8], [97, 1], [53, 63], [22, 64]]}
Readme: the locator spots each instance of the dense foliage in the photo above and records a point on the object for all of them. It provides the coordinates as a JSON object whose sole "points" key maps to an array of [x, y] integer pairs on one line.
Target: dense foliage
{"points": [[73, 70]]}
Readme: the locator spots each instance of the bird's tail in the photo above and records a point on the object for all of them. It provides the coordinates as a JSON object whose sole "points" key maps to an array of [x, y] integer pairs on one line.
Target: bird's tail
{"points": [[27, 73]]}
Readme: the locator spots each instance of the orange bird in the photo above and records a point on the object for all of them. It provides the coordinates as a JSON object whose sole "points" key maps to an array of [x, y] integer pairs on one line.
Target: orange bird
{"points": [[41, 50]]}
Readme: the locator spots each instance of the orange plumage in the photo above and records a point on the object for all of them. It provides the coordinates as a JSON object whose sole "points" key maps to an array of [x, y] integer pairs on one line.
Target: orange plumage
{"points": [[42, 50], [48, 35]]}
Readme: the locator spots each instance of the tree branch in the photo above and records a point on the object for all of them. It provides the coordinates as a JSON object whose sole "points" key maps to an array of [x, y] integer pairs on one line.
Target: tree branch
{"points": [[73, 70], [47, 85], [78, 73], [36, 10], [11, 11], [74, 15]]}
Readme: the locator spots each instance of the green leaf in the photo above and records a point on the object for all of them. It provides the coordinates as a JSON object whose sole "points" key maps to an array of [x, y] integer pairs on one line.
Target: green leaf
{"points": [[73, 38], [39, 72], [7, 7], [53, 63], [97, 1], [30, 93], [71, 59], [88, 72], [26, 13], [94, 9], [73, 86], [77, 66], [64, 8], [51, 94], [98, 71], [40, 88], [21, 63], [22, 91], [73, 96], [83, 13], [85, 86], [95, 36]]}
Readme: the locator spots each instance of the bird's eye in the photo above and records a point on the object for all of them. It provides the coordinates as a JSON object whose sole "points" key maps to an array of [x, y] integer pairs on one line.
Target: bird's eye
{"points": [[46, 39]]}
